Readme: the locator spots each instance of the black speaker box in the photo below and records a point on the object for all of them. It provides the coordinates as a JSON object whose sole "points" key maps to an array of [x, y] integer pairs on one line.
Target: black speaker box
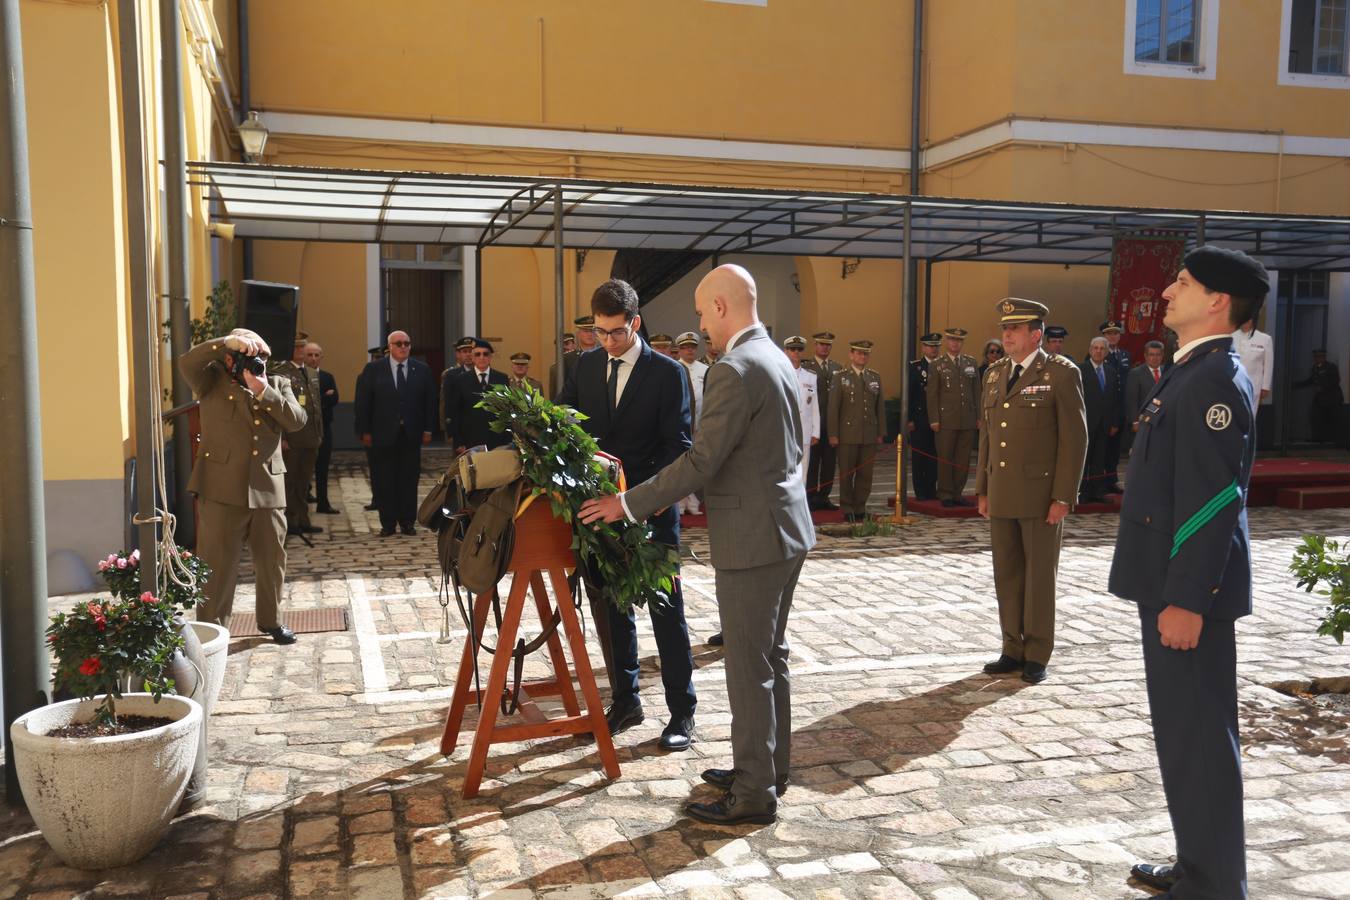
{"points": [[271, 310]]}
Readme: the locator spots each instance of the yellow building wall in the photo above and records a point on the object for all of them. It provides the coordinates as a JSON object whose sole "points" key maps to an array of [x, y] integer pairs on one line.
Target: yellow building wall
{"points": [[967, 74], [863, 306]]}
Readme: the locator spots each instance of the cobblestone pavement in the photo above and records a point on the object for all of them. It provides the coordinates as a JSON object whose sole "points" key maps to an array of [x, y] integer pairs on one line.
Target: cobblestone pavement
{"points": [[913, 775]]}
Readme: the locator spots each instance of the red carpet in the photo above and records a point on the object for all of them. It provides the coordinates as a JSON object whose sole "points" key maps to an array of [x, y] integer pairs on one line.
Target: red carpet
{"points": [[1270, 476], [821, 517], [936, 509]]}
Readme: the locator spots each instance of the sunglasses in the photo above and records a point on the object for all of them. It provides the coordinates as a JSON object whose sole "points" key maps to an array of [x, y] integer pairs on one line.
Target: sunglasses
{"points": [[400, 343], [481, 353]]}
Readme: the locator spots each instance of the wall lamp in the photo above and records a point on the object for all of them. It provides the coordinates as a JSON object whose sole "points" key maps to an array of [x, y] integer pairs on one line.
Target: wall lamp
{"points": [[253, 135]]}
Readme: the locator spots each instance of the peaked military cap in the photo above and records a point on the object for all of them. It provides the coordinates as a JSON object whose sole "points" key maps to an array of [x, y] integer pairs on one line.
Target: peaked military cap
{"points": [[686, 339], [520, 357], [958, 333], [1013, 310], [301, 338], [863, 346], [375, 351], [1056, 331], [1109, 325], [464, 343], [823, 337], [932, 339], [1228, 271], [587, 322], [796, 342], [569, 336], [661, 341]]}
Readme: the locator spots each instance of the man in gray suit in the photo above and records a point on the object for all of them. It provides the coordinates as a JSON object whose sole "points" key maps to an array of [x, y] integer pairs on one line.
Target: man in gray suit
{"points": [[747, 464]]}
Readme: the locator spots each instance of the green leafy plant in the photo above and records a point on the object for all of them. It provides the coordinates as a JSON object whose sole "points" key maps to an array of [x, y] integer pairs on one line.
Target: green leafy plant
{"points": [[219, 317], [122, 573], [102, 644], [558, 458], [872, 527], [1323, 569]]}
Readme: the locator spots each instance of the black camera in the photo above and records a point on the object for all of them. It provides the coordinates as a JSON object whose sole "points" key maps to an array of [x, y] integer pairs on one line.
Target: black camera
{"points": [[255, 364]]}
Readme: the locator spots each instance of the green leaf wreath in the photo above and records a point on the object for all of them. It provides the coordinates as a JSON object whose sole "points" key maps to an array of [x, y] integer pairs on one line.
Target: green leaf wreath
{"points": [[558, 458]]}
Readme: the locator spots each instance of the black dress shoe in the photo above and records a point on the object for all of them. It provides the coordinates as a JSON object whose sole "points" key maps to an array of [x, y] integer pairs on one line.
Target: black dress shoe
{"points": [[949, 503], [387, 531], [725, 778], [326, 510], [408, 529], [826, 504], [310, 498], [279, 635], [622, 718], [729, 811], [1002, 666], [369, 507], [679, 734], [1033, 672], [310, 529], [962, 501], [1164, 878]]}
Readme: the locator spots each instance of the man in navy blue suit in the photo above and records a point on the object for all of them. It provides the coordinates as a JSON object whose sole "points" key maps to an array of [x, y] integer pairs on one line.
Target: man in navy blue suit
{"points": [[395, 412], [466, 424], [1183, 554], [1101, 397], [638, 408]]}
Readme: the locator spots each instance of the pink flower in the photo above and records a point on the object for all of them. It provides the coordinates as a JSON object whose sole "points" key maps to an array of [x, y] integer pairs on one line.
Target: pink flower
{"points": [[112, 558], [148, 597], [121, 562], [103, 565], [91, 666]]}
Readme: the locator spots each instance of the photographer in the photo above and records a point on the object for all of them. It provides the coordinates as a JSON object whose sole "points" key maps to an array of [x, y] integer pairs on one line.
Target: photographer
{"points": [[238, 474]]}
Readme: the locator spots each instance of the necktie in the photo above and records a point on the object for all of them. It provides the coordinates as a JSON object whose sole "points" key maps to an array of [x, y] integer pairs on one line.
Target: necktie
{"points": [[402, 380], [614, 383], [1101, 378], [1155, 376], [1016, 374], [482, 379]]}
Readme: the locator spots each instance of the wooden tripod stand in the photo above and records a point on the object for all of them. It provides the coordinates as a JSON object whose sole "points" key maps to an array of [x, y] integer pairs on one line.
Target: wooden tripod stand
{"points": [[543, 545]]}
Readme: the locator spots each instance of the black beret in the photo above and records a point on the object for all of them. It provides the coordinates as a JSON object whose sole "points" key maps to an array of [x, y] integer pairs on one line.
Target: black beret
{"points": [[480, 344], [1228, 271]]}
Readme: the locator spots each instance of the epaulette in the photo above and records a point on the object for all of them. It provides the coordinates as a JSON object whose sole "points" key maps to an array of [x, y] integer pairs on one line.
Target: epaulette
{"points": [[1062, 360]]}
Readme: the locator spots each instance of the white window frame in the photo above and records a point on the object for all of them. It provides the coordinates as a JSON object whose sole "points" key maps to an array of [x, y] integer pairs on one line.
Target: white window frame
{"points": [[1206, 66], [1300, 79]]}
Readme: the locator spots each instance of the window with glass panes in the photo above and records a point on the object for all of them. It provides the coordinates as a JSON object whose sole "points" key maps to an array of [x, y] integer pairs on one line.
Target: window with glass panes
{"points": [[1165, 31]]}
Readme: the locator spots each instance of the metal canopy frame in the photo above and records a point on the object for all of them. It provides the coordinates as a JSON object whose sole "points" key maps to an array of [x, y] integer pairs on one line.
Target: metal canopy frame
{"points": [[361, 206]]}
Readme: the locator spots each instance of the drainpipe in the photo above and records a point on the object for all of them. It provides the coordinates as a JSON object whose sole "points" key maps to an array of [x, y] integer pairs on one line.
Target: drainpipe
{"points": [[179, 264], [245, 104], [23, 534], [908, 314]]}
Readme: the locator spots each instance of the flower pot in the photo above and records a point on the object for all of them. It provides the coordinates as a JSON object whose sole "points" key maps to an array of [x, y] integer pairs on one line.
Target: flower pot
{"points": [[105, 801], [206, 646], [215, 641]]}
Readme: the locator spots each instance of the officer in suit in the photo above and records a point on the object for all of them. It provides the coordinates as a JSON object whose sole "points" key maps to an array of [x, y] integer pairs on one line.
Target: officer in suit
{"points": [[759, 529], [808, 400], [586, 342], [1325, 378], [821, 467], [238, 475], [376, 353], [1054, 339], [1184, 555], [328, 399], [1033, 438], [921, 442], [300, 450], [1105, 418], [520, 372], [1118, 357], [1138, 385], [470, 426], [463, 363], [636, 400], [953, 391], [857, 416], [395, 413]]}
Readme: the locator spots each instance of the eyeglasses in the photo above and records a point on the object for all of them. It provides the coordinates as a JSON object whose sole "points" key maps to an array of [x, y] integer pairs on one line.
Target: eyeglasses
{"points": [[400, 343], [615, 333], [481, 353]]}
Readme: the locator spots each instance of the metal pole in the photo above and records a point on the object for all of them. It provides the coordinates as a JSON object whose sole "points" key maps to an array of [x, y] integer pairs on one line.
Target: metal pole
{"points": [[176, 230], [927, 296], [908, 315], [558, 278], [478, 289], [144, 322], [23, 535]]}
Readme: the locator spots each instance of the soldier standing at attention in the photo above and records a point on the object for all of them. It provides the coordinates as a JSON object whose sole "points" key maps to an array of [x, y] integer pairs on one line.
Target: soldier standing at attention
{"points": [[377, 353], [1054, 339], [807, 400], [238, 474], [1119, 357], [520, 372], [463, 363], [953, 388], [300, 450], [1032, 444], [921, 444], [1184, 555], [586, 342], [856, 416], [820, 469]]}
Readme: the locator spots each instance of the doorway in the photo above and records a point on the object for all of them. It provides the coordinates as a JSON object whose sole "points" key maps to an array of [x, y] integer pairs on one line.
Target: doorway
{"points": [[1301, 324]]}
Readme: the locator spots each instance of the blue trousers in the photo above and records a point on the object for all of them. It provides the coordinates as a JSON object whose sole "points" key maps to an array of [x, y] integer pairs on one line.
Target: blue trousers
{"points": [[1192, 695]]}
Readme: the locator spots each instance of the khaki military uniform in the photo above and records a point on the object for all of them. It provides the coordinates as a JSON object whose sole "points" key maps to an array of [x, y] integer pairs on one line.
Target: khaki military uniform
{"points": [[821, 465], [856, 417], [515, 382], [952, 392], [300, 450], [239, 480], [1032, 446]]}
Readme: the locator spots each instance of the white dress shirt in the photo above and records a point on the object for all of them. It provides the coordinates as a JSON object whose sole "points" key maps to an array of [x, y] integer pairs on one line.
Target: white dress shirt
{"points": [[809, 404], [698, 371], [1257, 352], [628, 360]]}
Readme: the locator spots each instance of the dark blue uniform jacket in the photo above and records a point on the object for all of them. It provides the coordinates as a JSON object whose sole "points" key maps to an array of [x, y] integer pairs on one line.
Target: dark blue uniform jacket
{"points": [[1183, 523]]}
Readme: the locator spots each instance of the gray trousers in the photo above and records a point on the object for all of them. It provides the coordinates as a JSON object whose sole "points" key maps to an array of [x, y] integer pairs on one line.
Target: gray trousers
{"points": [[753, 606]]}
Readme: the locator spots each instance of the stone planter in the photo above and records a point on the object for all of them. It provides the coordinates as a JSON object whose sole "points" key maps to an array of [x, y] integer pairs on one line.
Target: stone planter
{"points": [[198, 673], [106, 801], [215, 641]]}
